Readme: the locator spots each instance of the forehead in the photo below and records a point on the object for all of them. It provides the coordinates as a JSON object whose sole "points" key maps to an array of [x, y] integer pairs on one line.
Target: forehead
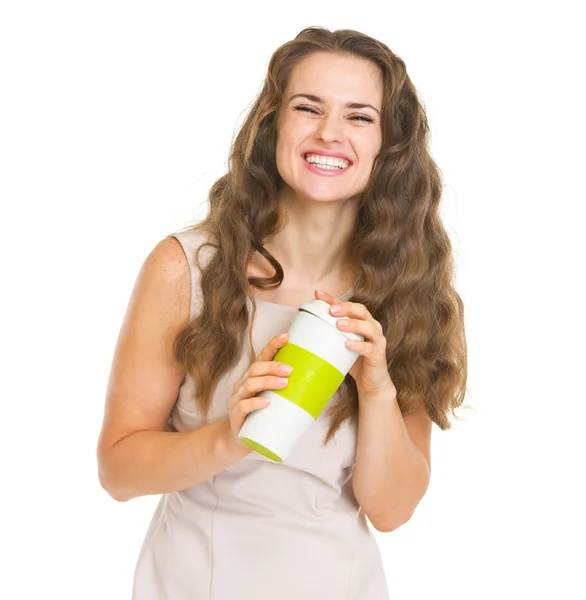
{"points": [[332, 76]]}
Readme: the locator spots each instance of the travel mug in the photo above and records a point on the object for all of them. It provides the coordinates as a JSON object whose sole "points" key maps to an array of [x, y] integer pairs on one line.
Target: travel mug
{"points": [[316, 349]]}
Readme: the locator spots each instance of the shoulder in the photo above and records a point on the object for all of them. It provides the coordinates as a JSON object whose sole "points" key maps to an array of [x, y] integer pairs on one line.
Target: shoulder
{"points": [[167, 263], [163, 288], [197, 245], [178, 260]]}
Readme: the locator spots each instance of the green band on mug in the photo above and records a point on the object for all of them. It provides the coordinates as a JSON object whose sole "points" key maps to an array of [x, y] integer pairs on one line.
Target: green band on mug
{"points": [[313, 381]]}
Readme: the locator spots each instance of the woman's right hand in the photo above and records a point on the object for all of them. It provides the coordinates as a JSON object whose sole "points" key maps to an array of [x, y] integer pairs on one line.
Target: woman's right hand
{"points": [[262, 374]]}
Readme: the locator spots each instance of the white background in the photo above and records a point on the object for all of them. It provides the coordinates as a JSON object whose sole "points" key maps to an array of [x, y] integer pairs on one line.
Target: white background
{"points": [[116, 118]]}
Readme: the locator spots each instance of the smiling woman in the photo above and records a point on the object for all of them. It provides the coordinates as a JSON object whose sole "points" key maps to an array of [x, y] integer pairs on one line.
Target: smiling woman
{"points": [[330, 187], [342, 112]]}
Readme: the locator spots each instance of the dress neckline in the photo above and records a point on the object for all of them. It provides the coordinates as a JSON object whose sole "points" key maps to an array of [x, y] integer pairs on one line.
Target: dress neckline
{"points": [[260, 300]]}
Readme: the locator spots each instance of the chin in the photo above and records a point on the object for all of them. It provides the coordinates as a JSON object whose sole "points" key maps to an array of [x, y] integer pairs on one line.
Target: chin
{"points": [[329, 197], [320, 197]]}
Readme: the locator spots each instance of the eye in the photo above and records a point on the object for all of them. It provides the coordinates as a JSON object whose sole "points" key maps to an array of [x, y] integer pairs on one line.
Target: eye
{"points": [[364, 119], [306, 108], [361, 118]]}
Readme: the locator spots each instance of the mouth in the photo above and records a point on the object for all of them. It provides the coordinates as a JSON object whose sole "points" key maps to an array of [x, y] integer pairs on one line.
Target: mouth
{"points": [[323, 165]]}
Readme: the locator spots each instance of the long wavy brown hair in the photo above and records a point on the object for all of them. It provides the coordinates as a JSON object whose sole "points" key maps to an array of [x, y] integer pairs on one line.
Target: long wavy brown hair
{"points": [[404, 255]]}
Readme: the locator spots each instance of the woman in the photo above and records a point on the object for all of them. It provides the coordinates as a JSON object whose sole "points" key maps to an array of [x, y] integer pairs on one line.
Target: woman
{"points": [[331, 187]]}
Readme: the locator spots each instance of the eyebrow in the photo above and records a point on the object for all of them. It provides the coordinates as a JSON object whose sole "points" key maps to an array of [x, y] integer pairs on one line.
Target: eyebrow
{"points": [[317, 99]]}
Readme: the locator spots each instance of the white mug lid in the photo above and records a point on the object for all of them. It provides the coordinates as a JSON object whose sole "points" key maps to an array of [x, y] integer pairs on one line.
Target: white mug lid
{"points": [[321, 309]]}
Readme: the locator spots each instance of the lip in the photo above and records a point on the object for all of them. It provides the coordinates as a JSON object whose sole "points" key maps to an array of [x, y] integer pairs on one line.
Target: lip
{"points": [[327, 153], [325, 172]]}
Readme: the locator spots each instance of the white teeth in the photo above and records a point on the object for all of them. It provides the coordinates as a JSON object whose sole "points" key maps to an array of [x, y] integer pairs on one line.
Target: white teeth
{"points": [[327, 162]]}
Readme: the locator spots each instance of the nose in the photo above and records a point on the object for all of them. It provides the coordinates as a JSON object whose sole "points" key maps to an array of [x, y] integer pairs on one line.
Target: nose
{"points": [[330, 129]]}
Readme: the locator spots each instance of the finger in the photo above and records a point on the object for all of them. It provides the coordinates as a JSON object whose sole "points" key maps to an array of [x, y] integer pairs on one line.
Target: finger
{"points": [[237, 396], [351, 309], [356, 346], [269, 351], [270, 367], [261, 364], [367, 349], [367, 329], [260, 384], [250, 404], [276, 370], [321, 295]]}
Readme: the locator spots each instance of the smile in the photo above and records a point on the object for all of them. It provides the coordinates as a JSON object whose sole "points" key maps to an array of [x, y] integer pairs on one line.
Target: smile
{"points": [[328, 166]]}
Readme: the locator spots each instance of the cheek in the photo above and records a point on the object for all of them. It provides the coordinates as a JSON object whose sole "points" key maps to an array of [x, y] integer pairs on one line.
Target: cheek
{"points": [[372, 147], [291, 137], [287, 143], [293, 131]]}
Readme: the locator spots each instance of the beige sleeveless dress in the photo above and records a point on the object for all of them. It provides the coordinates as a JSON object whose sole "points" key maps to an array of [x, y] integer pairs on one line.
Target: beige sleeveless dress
{"points": [[261, 530]]}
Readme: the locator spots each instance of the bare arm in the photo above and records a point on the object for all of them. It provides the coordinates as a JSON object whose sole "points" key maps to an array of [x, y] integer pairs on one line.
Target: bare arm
{"points": [[137, 454], [159, 462], [392, 468]]}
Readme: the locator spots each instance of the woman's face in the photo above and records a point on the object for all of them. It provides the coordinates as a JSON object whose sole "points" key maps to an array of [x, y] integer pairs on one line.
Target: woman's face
{"points": [[326, 122]]}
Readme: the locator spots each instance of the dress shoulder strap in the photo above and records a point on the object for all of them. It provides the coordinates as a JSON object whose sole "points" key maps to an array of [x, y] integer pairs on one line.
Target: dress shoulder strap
{"points": [[191, 241]]}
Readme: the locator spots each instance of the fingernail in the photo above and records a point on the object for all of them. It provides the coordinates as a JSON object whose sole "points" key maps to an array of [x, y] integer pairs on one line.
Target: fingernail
{"points": [[336, 309], [283, 380], [287, 369]]}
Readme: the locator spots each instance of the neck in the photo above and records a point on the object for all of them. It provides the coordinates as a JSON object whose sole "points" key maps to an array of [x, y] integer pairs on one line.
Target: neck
{"points": [[312, 245]]}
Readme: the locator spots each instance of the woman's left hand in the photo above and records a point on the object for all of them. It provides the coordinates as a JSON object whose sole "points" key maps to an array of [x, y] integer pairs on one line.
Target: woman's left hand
{"points": [[370, 370]]}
